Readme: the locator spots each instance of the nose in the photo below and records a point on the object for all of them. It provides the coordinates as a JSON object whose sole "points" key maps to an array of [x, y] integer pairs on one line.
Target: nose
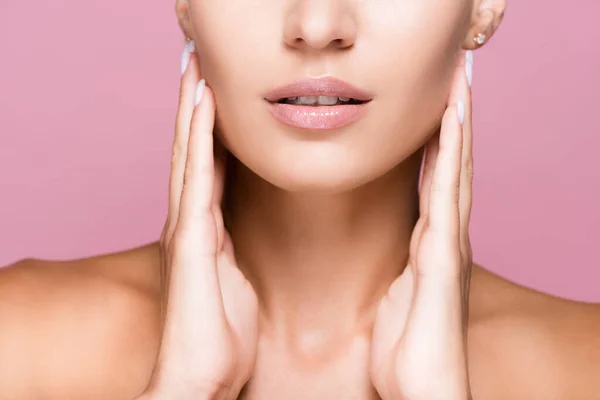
{"points": [[320, 24]]}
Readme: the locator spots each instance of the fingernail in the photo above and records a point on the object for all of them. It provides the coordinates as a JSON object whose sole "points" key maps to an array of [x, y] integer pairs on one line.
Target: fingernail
{"points": [[188, 48], [199, 92], [461, 111], [469, 66]]}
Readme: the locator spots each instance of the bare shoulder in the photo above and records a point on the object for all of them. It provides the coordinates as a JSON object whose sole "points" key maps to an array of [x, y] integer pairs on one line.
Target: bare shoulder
{"points": [[524, 344], [82, 328]]}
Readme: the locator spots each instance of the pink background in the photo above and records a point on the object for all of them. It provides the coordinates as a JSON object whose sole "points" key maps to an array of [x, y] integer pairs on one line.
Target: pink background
{"points": [[88, 92]]}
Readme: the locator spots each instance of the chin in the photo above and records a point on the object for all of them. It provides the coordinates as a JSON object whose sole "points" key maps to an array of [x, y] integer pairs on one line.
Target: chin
{"points": [[323, 162], [316, 171], [326, 180]]}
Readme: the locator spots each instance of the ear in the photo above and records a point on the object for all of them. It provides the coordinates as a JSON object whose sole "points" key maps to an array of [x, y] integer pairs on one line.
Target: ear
{"points": [[485, 20], [183, 18]]}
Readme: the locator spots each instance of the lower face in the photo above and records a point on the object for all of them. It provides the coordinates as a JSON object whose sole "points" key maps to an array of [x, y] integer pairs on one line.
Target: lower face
{"points": [[401, 52]]}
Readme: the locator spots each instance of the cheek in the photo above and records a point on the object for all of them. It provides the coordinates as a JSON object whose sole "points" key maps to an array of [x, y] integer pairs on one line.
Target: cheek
{"points": [[415, 51], [237, 46], [236, 37], [231, 41]]}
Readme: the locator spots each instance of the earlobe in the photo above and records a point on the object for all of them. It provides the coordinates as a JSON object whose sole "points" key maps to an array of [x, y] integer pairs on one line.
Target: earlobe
{"points": [[485, 22], [481, 30], [183, 17]]}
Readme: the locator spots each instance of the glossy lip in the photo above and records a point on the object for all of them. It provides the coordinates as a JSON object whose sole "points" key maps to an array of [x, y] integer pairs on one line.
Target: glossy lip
{"points": [[318, 117], [328, 86]]}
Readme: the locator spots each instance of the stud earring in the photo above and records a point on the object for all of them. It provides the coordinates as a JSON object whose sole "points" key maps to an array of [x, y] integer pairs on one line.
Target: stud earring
{"points": [[479, 39]]}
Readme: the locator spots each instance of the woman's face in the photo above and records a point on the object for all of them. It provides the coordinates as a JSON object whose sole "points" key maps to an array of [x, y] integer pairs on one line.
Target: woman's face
{"points": [[402, 52]]}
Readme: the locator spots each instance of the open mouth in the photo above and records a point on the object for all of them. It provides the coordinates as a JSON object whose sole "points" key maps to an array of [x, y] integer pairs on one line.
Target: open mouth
{"points": [[318, 104], [319, 101]]}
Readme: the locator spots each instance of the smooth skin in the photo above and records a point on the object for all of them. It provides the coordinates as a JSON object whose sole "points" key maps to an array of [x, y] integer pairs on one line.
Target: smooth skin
{"points": [[210, 301], [184, 318], [419, 338]]}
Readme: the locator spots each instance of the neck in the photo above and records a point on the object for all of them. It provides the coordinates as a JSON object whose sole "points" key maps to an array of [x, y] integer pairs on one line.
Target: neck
{"points": [[321, 261]]}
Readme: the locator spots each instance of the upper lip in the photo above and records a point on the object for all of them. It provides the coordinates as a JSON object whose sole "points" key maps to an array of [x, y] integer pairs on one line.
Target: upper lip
{"points": [[329, 86]]}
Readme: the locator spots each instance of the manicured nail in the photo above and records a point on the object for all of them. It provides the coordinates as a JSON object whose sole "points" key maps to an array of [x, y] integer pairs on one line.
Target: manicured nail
{"points": [[199, 92], [461, 111], [188, 48], [469, 66]]}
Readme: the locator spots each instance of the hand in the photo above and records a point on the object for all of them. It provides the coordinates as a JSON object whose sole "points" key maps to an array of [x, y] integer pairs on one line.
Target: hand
{"points": [[419, 337], [210, 333]]}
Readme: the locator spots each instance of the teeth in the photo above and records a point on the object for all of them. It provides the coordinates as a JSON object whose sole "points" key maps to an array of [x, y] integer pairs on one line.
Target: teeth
{"points": [[327, 101], [317, 100], [307, 100]]}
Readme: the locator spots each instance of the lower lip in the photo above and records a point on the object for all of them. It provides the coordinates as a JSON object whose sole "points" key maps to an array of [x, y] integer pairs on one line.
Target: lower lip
{"points": [[317, 117]]}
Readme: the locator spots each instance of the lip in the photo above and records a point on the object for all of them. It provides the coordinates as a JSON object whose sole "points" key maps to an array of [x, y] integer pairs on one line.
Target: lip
{"points": [[318, 87], [318, 117]]}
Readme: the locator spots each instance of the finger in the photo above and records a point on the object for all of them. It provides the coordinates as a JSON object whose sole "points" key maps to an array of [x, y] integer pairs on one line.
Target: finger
{"points": [[180, 143], [466, 178], [443, 218], [194, 284], [220, 227], [461, 91], [431, 151], [432, 146], [438, 306], [415, 240], [219, 183], [164, 272], [199, 175]]}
